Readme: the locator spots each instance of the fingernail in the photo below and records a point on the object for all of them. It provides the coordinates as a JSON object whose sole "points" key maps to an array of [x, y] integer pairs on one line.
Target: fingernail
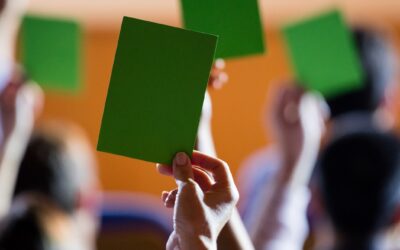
{"points": [[181, 159]]}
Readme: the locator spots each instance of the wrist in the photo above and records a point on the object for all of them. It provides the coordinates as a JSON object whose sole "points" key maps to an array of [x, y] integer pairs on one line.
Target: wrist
{"points": [[199, 242], [199, 237]]}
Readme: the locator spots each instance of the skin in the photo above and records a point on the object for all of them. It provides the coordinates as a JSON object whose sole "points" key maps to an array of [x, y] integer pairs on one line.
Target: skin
{"points": [[10, 18], [203, 203], [298, 124], [201, 210], [20, 103], [28, 101], [218, 78]]}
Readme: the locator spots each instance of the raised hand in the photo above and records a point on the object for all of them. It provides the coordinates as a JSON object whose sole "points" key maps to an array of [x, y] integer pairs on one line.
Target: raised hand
{"points": [[203, 202]]}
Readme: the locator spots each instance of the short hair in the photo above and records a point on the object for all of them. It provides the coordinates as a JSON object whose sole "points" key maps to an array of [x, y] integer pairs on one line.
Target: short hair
{"points": [[2, 5], [360, 181], [378, 63], [44, 170], [57, 164]]}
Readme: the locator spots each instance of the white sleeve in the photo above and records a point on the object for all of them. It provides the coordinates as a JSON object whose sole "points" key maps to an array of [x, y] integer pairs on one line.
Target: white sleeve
{"points": [[289, 229], [279, 224]]}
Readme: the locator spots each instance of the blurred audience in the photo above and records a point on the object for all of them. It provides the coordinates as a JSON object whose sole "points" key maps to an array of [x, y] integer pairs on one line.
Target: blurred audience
{"points": [[60, 166], [49, 191], [206, 196], [371, 105], [20, 102], [360, 185], [34, 223]]}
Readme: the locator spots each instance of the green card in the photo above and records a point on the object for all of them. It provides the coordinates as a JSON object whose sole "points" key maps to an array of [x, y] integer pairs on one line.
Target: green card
{"points": [[156, 91], [323, 54], [236, 22], [50, 50]]}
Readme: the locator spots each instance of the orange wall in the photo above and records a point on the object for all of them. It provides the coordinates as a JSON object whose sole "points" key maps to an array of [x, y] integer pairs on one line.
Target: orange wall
{"points": [[238, 110]]}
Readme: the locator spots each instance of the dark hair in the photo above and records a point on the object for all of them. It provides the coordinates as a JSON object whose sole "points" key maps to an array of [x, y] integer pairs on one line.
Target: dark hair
{"points": [[377, 61], [22, 230], [45, 169], [360, 181], [2, 5]]}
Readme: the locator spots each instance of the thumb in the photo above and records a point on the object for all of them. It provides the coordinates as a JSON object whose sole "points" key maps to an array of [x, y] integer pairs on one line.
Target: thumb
{"points": [[182, 168]]}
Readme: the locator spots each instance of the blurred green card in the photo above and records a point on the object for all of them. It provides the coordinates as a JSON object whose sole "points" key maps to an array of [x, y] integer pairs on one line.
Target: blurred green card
{"points": [[156, 91], [323, 54], [50, 51], [236, 22]]}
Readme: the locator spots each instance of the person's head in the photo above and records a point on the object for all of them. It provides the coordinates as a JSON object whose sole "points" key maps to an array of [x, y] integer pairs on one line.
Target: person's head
{"points": [[379, 65], [60, 165], [37, 223], [24, 228], [360, 183]]}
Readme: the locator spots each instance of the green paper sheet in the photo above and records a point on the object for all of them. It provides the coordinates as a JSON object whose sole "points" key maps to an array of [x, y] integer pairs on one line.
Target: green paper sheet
{"points": [[50, 50], [236, 22], [156, 91], [323, 54]]}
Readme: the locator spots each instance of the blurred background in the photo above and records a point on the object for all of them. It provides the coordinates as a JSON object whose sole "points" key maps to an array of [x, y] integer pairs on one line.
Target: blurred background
{"points": [[240, 108]]}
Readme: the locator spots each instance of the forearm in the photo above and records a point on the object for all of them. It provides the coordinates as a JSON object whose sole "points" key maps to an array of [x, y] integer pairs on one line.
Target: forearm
{"points": [[10, 158], [205, 142], [199, 243], [234, 235], [281, 199]]}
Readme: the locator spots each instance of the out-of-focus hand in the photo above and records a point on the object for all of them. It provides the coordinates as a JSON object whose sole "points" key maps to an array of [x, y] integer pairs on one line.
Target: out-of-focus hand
{"points": [[218, 77], [298, 121], [27, 102], [19, 98], [28, 106], [203, 202]]}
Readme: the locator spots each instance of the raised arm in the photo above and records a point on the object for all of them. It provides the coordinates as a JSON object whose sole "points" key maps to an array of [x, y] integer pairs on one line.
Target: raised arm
{"points": [[203, 203], [280, 220], [18, 114]]}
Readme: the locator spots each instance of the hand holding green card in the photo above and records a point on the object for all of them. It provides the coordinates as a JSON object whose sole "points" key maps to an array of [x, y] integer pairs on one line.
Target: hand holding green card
{"points": [[51, 52], [156, 91], [323, 54], [236, 22]]}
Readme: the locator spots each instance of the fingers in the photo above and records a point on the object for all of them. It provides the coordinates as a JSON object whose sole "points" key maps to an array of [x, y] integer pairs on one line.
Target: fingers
{"points": [[312, 114], [182, 168], [164, 169], [169, 198], [218, 168], [286, 105], [200, 176], [219, 64], [290, 104], [218, 77], [37, 96], [164, 196], [173, 242]]}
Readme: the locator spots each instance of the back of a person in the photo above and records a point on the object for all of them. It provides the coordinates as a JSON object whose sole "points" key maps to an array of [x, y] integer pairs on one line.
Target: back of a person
{"points": [[366, 109], [59, 165], [23, 228], [359, 177]]}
